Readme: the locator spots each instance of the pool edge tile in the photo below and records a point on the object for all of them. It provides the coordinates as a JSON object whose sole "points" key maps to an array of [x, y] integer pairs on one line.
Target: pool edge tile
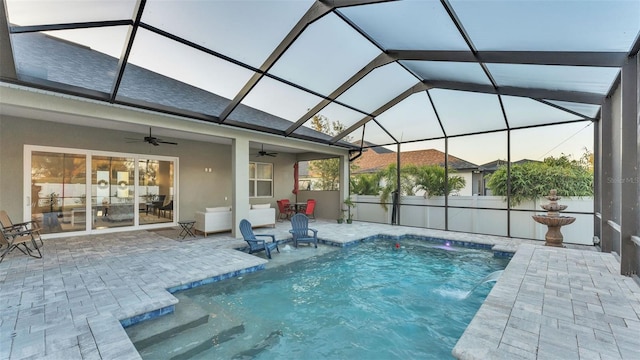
{"points": [[153, 314]]}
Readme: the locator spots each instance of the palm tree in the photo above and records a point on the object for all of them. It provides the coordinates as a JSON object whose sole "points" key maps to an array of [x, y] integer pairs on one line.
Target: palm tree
{"points": [[431, 179], [365, 184], [388, 182]]}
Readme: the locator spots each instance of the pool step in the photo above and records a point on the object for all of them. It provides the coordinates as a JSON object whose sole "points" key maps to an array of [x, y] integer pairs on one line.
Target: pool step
{"points": [[258, 348], [198, 340], [187, 344], [186, 316], [195, 348]]}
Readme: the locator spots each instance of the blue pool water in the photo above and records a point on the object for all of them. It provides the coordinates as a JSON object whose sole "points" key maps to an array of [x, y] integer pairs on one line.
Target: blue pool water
{"points": [[371, 301]]}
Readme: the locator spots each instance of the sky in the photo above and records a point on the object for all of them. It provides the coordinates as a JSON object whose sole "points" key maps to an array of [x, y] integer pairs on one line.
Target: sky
{"points": [[329, 51]]}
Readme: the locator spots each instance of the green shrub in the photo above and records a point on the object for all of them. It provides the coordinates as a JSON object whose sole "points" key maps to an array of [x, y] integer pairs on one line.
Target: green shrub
{"points": [[532, 180]]}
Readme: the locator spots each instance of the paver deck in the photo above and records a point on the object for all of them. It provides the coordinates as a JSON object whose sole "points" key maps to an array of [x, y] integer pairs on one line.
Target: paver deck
{"points": [[553, 303], [69, 304]]}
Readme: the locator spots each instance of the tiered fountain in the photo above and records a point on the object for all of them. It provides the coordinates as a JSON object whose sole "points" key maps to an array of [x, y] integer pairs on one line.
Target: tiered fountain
{"points": [[553, 220]]}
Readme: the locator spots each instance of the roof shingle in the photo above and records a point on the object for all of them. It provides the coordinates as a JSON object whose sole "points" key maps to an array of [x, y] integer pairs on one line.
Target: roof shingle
{"points": [[371, 161]]}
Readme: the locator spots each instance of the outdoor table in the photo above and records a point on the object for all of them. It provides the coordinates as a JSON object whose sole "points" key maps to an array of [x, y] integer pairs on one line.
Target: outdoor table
{"points": [[186, 228], [148, 205], [299, 206]]}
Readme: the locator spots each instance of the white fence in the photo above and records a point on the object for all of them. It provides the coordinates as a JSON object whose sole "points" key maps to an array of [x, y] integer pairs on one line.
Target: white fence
{"points": [[420, 212], [71, 195]]}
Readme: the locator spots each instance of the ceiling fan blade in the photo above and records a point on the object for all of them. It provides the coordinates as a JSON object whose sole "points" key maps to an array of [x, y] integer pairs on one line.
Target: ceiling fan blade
{"points": [[151, 140]]}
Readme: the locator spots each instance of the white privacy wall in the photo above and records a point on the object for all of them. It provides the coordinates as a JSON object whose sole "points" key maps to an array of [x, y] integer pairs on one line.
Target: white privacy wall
{"points": [[418, 211]]}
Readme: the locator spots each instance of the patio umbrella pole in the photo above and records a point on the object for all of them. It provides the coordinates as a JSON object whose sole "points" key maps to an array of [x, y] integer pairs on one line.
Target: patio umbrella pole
{"points": [[296, 175]]}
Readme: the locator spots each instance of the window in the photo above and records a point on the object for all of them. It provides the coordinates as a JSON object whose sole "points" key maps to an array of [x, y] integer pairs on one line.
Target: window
{"points": [[260, 179]]}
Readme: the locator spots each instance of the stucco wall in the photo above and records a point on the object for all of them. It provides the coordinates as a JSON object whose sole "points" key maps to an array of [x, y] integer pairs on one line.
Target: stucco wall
{"points": [[328, 202], [197, 189]]}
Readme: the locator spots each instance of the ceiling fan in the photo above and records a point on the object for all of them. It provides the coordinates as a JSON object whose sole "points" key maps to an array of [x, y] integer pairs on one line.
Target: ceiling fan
{"points": [[153, 140], [262, 153]]}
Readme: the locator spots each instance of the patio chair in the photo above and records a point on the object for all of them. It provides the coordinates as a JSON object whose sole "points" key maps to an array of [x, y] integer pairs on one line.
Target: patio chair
{"points": [[158, 203], [5, 222], [15, 238], [164, 208], [285, 211], [310, 209], [256, 245], [301, 231]]}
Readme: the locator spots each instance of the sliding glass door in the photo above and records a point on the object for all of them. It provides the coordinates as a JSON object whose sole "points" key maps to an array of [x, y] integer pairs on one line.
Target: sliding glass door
{"points": [[155, 179], [112, 191], [58, 191], [81, 191]]}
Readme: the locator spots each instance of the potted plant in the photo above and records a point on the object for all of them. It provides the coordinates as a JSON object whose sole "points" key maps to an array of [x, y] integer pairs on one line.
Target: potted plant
{"points": [[341, 218], [53, 202], [350, 204]]}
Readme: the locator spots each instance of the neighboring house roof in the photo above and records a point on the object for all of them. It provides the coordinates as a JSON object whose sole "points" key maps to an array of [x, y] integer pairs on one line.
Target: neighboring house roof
{"points": [[371, 161]]}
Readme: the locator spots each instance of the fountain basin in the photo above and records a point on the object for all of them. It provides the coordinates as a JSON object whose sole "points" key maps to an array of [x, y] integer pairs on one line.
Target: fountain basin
{"points": [[554, 207], [554, 220], [553, 237]]}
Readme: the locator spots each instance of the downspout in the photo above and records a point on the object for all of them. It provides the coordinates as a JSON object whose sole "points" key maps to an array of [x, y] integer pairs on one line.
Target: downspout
{"points": [[360, 149], [357, 152]]}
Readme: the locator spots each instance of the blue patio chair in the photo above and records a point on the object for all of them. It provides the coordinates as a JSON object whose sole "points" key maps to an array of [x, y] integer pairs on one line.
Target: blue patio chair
{"points": [[301, 231], [256, 245]]}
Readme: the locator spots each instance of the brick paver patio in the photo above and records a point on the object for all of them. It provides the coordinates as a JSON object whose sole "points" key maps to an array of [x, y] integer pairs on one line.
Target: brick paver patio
{"points": [[548, 303]]}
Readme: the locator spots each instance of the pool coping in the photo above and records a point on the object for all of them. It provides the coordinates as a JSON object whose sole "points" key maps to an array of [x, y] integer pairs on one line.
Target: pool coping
{"points": [[130, 321], [497, 250], [569, 304]]}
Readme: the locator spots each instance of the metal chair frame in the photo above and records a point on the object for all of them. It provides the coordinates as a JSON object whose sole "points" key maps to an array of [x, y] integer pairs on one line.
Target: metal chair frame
{"points": [[15, 238], [5, 222], [310, 209], [285, 210]]}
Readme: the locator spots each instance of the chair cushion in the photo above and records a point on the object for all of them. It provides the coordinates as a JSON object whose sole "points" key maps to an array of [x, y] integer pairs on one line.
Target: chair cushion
{"points": [[218, 209], [261, 206]]}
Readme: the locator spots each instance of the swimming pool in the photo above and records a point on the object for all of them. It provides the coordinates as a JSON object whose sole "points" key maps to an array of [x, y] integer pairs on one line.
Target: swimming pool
{"points": [[371, 301]]}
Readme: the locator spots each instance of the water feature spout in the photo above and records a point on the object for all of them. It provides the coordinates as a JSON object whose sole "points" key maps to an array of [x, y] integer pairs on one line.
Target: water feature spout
{"points": [[493, 277], [553, 220]]}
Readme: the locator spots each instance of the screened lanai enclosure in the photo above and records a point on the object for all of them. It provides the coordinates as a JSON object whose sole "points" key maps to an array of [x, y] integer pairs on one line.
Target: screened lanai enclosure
{"points": [[463, 114]]}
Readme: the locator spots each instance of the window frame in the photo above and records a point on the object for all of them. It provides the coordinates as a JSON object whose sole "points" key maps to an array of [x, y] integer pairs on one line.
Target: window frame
{"points": [[89, 155], [254, 180]]}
